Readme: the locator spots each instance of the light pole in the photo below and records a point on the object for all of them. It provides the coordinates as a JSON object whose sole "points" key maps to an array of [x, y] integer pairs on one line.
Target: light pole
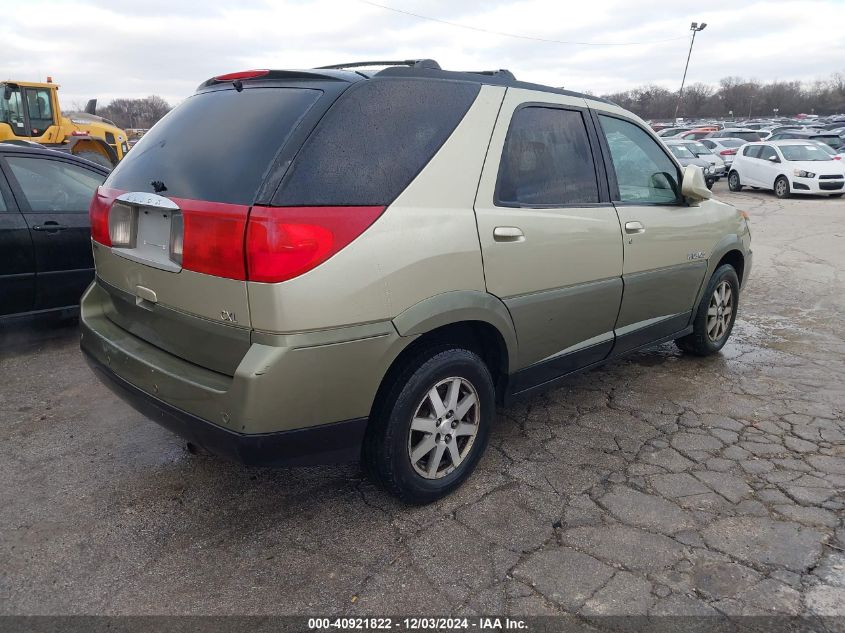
{"points": [[695, 27]]}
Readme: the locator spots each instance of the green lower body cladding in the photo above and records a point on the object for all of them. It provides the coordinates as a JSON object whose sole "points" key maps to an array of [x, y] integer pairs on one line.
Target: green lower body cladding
{"points": [[275, 400]]}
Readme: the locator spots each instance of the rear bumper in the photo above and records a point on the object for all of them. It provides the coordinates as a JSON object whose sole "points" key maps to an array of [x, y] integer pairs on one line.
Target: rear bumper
{"points": [[324, 444], [292, 399]]}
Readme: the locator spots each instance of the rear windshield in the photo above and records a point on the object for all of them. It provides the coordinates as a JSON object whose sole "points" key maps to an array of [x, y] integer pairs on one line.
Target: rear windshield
{"points": [[215, 146], [831, 140], [730, 142], [747, 136]]}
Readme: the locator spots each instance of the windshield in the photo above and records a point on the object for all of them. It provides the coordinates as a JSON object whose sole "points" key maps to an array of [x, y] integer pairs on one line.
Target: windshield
{"points": [[11, 109], [681, 152], [699, 149], [804, 152], [827, 149]]}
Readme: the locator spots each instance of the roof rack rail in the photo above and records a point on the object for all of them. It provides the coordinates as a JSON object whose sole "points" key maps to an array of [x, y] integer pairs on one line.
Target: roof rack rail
{"points": [[414, 63], [501, 72]]}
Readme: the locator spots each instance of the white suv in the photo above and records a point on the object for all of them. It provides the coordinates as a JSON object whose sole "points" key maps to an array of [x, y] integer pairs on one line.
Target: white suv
{"points": [[787, 167]]}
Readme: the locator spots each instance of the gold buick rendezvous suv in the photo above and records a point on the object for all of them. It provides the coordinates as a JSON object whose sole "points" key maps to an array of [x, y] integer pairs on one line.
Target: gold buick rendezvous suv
{"points": [[312, 266]]}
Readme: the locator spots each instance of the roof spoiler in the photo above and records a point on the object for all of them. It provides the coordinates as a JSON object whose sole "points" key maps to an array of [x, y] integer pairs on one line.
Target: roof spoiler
{"points": [[413, 63]]}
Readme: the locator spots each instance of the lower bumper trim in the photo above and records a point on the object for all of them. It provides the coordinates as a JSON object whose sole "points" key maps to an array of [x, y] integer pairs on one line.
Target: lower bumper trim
{"points": [[325, 444]]}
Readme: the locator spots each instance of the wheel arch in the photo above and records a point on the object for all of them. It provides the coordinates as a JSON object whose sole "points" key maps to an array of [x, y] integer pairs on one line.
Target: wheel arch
{"points": [[473, 319], [729, 250], [79, 144]]}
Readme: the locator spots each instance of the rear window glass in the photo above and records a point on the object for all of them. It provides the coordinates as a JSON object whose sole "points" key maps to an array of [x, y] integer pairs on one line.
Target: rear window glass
{"points": [[374, 140], [215, 146], [547, 160]]}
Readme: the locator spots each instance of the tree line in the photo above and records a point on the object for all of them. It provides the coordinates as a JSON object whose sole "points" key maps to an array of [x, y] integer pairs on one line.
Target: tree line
{"points": [[736, 97], [135, 113]]}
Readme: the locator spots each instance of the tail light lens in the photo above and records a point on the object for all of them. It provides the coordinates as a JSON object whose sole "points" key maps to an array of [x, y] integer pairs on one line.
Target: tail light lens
{"points": [[266, 244], [284, 242], [212, 237], [728, 152], [122, 225], [98, 213]]}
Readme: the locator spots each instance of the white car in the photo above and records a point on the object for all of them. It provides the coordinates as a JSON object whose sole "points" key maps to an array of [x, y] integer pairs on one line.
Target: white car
{"points": [[787, 167]]}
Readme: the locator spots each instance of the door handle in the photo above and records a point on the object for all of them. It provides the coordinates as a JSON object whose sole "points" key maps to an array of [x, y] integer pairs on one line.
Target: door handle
{"points": [[50, 226], [634, 227], [508, 234]]}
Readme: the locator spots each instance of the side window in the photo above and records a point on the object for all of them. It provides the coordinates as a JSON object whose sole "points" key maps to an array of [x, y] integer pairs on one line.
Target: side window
{"points": [[40, 112], [54, 186], [11, 110], [546, 160], [752, 151], [644, 173], [767, 152]]}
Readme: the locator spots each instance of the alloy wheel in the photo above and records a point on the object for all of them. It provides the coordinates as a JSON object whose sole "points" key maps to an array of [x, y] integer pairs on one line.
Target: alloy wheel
{"points": [[444, 428], [720, 311]]}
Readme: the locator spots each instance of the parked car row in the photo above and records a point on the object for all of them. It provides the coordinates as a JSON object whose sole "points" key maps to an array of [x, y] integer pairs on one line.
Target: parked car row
{"points": [[830, 131]]}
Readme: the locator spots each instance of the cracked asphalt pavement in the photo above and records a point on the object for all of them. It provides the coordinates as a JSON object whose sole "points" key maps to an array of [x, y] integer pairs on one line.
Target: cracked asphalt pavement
{"points": [[662, 484]]}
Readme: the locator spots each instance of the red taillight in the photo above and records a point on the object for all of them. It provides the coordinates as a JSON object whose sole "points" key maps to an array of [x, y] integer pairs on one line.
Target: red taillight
{"points": [[98, 214], [284, 242], [727, 152], [244, 74], [213, 237]]}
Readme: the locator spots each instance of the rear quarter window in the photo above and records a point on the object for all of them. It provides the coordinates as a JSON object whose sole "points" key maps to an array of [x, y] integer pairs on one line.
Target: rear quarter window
{"points": [[374, 140], [215, 146]]}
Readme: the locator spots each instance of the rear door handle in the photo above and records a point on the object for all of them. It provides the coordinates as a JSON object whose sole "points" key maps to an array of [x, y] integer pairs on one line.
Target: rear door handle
{"points": [[634, 227], [50, 226], [508, 234]]}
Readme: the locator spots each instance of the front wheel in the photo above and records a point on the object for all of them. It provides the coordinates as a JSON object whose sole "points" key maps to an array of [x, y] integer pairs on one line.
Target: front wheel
{"points": [[733, 182], [782, 187], [431, 426], [715, 315]]}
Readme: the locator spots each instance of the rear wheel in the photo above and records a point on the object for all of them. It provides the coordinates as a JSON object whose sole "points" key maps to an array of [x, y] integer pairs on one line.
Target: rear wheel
{"points": [[431, 426], [715, 315], [782, 187], [733, 182]]}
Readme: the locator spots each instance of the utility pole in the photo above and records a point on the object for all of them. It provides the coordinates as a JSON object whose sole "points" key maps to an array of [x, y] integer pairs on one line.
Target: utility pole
{"points": [[695, 28]]}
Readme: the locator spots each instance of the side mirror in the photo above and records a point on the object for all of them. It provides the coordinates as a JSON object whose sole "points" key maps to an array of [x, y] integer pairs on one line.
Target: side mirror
{"points": [[774, 159], [7, 92], [693, 186]]}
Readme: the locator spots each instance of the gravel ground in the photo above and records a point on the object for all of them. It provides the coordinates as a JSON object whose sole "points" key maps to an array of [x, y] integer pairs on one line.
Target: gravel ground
{"points": [[662, 484]]}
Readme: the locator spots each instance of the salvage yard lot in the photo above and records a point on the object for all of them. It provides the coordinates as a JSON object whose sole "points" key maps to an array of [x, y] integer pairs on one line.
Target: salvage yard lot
{"points": [[662, 484]]}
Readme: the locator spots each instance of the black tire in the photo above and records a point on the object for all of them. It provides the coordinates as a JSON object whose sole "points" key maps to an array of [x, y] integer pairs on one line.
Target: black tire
{"points": [[386, 446], [781, 187], [699, 342], [96, 157], [710, 182], [733, 181]]}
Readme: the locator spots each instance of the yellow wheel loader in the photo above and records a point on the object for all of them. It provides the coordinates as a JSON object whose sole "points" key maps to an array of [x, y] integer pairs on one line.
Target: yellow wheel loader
{"points": [[30, 112]]}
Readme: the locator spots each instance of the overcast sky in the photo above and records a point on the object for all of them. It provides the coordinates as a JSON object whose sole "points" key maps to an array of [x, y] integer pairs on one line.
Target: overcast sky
{"points": [[134, 48]]}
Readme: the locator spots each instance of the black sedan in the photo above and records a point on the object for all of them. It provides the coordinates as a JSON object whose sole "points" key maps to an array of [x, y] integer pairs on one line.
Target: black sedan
{"points": [[45, 236]]}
